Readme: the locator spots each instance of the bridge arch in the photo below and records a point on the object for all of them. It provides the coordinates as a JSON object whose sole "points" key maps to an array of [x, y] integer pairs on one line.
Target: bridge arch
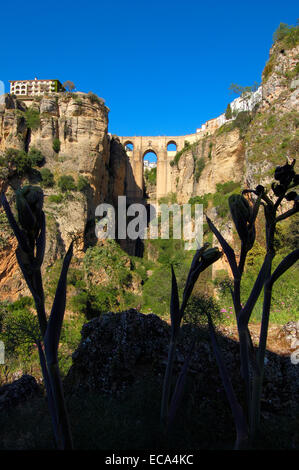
{"points": [[171, 146], [129, 146], [151, 150], [165, 148]]}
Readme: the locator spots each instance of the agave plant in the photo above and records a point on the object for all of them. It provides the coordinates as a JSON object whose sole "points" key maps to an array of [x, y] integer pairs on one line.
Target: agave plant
{"points": [[202, 259], [244, 215], [30, 231]]}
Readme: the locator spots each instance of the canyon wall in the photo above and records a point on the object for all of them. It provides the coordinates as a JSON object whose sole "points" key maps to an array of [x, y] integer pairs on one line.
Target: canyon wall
{"points": [[80, 124]]}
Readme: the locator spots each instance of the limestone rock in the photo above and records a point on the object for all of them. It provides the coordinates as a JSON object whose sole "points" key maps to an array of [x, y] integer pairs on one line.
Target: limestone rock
{"points": [[18, 392], [86, 149], [120, 349]]}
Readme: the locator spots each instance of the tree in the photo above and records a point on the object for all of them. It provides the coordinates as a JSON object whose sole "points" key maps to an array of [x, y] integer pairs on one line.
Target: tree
{"points": [[244, 92], [47, 178], [67, 183], [56, 145], [228, 112], [69, 86]]}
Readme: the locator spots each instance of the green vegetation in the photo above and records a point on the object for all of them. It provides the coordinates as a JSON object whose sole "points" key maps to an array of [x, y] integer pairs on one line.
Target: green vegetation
{"points": [[19, 329], [290, 74], [219, 199], [150, 176], [201, 200], [5, 231], [95, 99], [200, 164], [241, 122], [286, 35], [228, 112], [47, 178], [285, 298], [56, 198], [56, 145], [15, 162], [66, 183], [170, 198], [273, 138], [197, 308], [36, 157], [187, 147], [82, 183], [32, 118]]}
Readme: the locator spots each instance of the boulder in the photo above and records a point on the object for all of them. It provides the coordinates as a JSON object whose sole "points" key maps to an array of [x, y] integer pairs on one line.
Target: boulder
{"points": [[18, 392]]}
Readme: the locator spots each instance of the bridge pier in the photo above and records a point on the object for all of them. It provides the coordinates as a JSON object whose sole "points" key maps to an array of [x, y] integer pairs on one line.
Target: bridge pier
{"points": [[158, 144]]}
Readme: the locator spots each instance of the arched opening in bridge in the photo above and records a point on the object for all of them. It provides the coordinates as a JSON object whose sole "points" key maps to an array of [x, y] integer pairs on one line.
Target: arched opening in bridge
{"points": [[171, 146], [129, 147], [150, 175]]}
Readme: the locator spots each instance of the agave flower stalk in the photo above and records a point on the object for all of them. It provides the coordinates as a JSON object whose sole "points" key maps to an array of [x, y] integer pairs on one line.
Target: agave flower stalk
{"points": [[202, 259], [244, 217], [30, 231]]}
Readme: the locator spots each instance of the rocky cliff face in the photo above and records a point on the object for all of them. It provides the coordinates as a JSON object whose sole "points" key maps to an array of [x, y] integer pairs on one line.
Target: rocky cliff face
{"points": [[273, 134], [223, 160], [251, 156], [247, 154], [79, 123]]}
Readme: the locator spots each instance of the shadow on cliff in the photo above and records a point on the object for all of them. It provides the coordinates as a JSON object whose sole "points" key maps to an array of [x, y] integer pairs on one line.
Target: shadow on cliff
{"points": [[121, 183], [113, 392]]}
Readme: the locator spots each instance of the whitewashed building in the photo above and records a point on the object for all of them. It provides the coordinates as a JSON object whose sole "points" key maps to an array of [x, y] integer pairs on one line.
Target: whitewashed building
{"points": [[35, 87]]}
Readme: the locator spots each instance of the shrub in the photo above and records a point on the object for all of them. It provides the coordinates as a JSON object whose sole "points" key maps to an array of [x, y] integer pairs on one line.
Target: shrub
{"points": [[268, 67], [56, 198], [82, 183], [201, 200], [242, 121], [36, 157], [56, 145], [32, 118], [226, 127], [95, 99], [200, 164], [170, 198], [79, 302], [228, 112], [47, 178], [66, 183], [19, 328], [198, 307], [17, 161], [150, 176], [227, 187], [289, 35]]}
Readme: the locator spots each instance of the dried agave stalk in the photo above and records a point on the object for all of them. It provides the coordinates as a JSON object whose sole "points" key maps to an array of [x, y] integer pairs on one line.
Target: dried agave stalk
{"points": [[244, 217], [202, 259], [31, 236]]}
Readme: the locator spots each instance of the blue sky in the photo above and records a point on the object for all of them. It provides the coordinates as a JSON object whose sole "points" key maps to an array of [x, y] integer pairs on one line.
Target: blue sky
{"points": [[163, 67]]}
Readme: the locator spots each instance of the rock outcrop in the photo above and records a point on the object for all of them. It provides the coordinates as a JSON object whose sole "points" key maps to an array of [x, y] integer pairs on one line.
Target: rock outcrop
{"points": [[121, 349], [18, 392], [79, 123], [223, 157]]}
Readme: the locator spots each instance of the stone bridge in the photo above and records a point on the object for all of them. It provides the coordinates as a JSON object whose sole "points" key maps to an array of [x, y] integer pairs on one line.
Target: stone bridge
{"points": [[140, 146]]}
